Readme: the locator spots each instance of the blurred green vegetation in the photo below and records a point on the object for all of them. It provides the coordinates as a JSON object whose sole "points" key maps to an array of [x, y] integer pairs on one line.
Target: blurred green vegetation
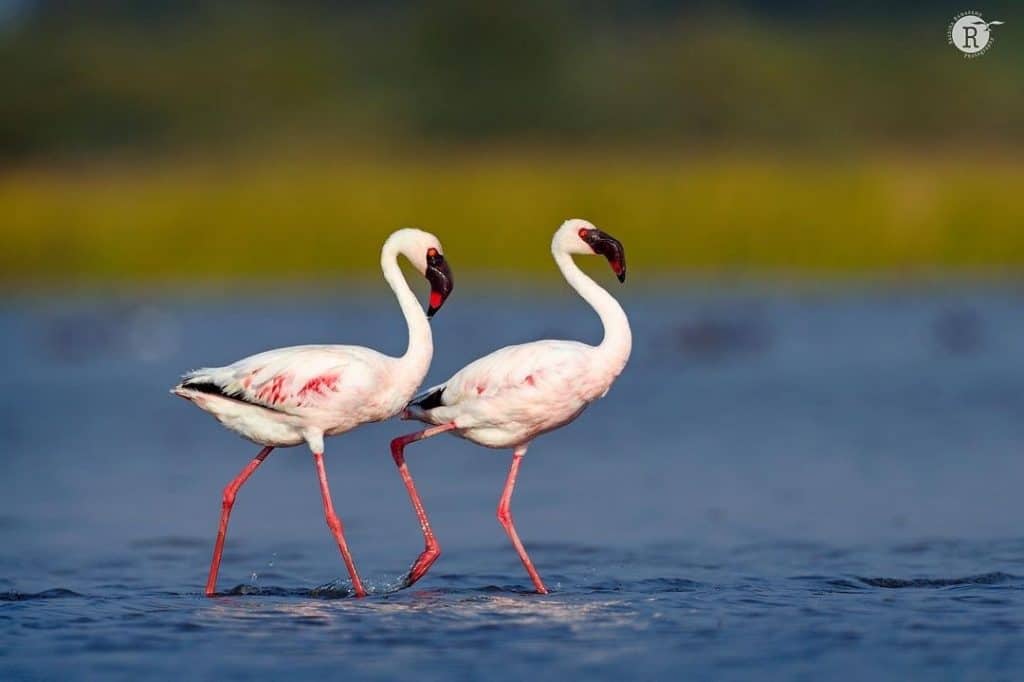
{"points": [[176, 140], [306, 217], [114, 75]]}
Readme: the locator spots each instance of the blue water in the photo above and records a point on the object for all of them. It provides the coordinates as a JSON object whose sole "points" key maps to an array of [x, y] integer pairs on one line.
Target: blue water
{"points": [[784, 484]]}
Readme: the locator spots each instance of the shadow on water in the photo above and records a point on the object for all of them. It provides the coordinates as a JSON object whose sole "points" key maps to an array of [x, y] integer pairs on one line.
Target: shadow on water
{"points": [[55, 593], [994, 578]]}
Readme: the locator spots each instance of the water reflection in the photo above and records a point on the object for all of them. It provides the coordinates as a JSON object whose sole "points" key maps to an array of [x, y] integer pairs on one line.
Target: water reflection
{"points": [[471, 607]]}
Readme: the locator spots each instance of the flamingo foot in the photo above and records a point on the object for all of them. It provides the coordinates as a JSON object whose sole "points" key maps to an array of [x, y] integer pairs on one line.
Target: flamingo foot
{"points": [[419, 569]]}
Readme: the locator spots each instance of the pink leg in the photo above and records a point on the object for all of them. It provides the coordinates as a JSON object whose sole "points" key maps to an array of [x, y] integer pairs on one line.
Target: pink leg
{"points": [[225, 513], [432, 549], [505, 517], [334, 523]]}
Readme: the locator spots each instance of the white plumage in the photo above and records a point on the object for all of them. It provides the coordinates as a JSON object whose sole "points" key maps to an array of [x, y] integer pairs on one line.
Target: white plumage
{"points": [[516, 393], [288, 396]]}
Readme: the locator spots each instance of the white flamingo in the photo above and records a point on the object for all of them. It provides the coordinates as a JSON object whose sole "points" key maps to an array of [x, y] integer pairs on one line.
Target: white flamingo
{"points": [[508, 398], [289, 396]]}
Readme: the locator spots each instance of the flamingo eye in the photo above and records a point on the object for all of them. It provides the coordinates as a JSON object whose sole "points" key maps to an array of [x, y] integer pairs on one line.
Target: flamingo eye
{"points": [[584, 233], [431, 252]]}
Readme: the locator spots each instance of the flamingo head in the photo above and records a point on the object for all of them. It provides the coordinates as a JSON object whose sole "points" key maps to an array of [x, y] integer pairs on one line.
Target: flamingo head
{"points": [[440, 277], [581, 237], [425, 253]]}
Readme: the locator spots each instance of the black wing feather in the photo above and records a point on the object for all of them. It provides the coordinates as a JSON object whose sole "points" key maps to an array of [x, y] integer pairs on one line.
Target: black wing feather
{"points": [[205, 387], [430, 399]]}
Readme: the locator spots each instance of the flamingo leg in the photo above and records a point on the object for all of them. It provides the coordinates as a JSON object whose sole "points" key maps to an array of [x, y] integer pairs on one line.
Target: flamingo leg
{"points": [[334, 523], [505, 518], [228, 501], [432, 549]]}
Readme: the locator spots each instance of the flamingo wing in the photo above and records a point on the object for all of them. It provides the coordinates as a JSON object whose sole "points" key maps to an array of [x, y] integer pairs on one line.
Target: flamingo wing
{"points": [[292, 380], [512, 374]]}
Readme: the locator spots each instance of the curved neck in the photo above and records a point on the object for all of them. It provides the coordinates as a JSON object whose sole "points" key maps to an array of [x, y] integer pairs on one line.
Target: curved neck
{"points": [[420, 349], [618, 339]]}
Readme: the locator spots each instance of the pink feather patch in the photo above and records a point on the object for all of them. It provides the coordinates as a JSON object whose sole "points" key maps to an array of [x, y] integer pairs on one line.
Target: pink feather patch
{"points": [[320, 385]]}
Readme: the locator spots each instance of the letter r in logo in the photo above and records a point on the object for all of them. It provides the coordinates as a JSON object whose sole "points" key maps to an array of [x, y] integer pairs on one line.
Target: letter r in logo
{"points": [[970, 36]]}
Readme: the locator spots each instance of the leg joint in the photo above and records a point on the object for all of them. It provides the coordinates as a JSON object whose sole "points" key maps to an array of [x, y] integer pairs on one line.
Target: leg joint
{"points": [[397, 446], [334, 523]]}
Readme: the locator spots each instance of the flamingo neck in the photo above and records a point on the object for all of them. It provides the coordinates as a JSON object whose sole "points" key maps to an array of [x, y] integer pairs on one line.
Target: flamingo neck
{"points": [[420, 349], [618, 339]]}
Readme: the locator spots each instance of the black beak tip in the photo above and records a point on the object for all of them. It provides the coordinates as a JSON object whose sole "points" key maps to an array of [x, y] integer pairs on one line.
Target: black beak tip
{"points": [[430, 312], [622, 276]]}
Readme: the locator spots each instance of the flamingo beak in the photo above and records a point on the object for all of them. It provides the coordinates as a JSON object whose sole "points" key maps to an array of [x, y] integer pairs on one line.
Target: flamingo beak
{"points": [[608, 246], [440, 277]]}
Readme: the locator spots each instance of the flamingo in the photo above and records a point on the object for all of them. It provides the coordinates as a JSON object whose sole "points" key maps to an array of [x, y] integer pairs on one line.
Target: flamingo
{"points": [[288, 396], [508, 398]]}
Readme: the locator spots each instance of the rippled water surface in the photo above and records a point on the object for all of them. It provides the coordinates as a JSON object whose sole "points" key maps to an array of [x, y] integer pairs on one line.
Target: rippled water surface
{"points": [[787, 485]]}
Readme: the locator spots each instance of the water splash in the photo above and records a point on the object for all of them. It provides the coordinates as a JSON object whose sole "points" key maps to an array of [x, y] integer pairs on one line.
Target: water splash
{"points": [[255, 577]]}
